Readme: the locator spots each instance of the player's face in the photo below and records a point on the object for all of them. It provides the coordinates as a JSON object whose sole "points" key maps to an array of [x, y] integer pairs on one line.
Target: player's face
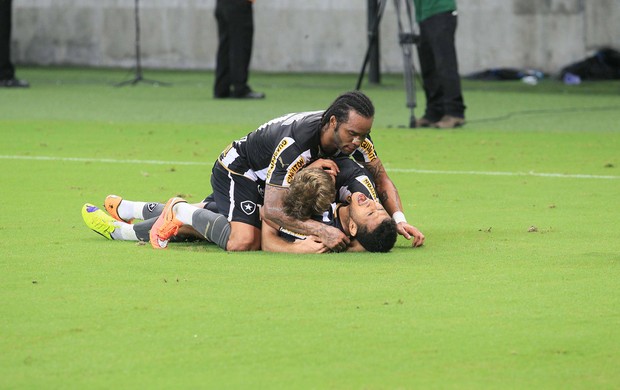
{"points": [[364, 211], [349, 135]]}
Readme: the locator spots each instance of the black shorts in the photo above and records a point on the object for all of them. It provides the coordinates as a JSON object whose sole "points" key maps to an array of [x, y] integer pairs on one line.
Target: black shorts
{"points": [[237, 197]]}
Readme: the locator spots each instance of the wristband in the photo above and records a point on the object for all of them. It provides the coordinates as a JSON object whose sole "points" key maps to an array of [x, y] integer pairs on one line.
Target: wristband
{"points": [[399, 217]]}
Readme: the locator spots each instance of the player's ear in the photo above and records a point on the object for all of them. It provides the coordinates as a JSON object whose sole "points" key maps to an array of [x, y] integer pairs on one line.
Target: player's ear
{"points": [[333, 121], [352, 228]]}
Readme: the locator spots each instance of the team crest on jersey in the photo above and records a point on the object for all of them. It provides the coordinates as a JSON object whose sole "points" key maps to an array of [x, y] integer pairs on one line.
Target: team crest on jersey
{"points": [[151, 206], [248, 207]]}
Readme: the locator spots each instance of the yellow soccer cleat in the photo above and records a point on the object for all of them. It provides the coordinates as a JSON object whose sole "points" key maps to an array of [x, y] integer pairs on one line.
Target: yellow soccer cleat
{"points": [[98, 221], [111, 204], [166, 225]]}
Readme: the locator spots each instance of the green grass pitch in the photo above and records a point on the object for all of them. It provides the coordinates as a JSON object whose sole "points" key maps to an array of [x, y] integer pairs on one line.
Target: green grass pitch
{"points": [[517, 286]]}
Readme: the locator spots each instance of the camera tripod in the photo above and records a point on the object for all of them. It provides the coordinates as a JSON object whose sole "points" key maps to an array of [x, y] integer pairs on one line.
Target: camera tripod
{"points": [[138, 75], [407, 39]]}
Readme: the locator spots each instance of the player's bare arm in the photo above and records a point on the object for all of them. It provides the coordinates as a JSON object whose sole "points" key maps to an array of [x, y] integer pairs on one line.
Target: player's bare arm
{"points": [[273, 211], [388, 195], [272, 242], [386, 190]]}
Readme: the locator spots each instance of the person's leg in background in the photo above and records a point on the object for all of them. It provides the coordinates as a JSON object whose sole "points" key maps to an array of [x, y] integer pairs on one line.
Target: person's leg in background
{"points": [[236, 33], [441, 29], [430, 80], [241, 29], [7, 70], [221, 88]]}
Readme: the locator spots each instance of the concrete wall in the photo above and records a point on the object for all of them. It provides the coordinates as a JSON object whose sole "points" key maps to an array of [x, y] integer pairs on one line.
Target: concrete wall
{"points": [[309, 35]]}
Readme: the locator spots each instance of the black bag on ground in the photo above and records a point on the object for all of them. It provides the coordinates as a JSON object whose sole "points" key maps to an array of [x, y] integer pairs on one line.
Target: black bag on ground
{"points": [[603, 65]]}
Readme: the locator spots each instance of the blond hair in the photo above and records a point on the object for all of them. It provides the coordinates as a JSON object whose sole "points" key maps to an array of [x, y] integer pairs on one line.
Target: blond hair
{"points": [[311, 192]]}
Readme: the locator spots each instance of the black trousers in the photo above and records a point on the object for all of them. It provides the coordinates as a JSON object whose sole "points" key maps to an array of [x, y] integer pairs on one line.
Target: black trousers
{"points": [[235, 27], [7, 71], [439, 67]]}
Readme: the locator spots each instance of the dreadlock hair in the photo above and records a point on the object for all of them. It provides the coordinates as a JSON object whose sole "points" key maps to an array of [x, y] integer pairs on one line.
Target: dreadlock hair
{"points": [[382, 239], [340, 108], [311, 192]]}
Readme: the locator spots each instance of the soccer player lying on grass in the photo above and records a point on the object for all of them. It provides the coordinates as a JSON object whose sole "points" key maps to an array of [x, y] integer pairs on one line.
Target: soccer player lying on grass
{"points": [[351, 177], [126, 211], [364, 220]]}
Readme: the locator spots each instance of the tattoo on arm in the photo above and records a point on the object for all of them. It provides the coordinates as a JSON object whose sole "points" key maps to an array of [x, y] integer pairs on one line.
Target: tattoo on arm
{"points": [[383, 197], [386, 190], [375, 171], [275, 212]]}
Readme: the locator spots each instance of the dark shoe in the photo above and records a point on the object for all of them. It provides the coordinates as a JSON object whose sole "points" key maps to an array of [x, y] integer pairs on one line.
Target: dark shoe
{"points": [[424, 122], [450, 122], [251, 95], [14, 83]]}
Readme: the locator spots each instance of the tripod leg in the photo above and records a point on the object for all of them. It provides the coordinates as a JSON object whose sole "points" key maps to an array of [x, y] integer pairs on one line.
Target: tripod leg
{"points": [[409, 83], [373, 34], [412, 121], [406, 40]]}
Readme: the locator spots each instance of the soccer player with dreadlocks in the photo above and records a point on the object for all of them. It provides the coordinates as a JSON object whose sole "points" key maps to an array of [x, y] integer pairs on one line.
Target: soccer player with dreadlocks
{"points": [[258, 169]]}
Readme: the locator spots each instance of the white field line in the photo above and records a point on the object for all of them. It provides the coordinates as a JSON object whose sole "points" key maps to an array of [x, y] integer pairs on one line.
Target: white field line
{"points": [[396, 170], [484, 173]]}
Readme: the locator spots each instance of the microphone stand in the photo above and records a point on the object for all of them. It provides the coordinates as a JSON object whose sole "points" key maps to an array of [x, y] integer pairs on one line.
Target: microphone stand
{"points": [[138, 75]]}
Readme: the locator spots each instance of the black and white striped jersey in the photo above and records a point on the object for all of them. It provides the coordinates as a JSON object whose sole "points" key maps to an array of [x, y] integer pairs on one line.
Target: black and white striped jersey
{"points": [[278, 149]]}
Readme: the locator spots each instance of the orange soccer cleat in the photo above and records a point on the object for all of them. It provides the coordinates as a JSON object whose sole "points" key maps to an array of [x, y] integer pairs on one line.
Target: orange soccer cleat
{"points": [[111, 204], [166, 225]]}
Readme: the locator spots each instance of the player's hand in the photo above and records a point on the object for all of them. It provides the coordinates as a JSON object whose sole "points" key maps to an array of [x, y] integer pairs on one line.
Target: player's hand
{"points": [[311, 244], [334, 239], [411, 233], [327, 165]]}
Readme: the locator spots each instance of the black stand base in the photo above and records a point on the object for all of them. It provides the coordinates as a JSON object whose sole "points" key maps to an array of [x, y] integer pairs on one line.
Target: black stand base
{"points": [[139, 79], [412, 124]]}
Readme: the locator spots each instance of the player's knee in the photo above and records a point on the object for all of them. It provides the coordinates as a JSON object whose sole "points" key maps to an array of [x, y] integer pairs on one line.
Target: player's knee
{"points": [[242, 245], [243, 238]]}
